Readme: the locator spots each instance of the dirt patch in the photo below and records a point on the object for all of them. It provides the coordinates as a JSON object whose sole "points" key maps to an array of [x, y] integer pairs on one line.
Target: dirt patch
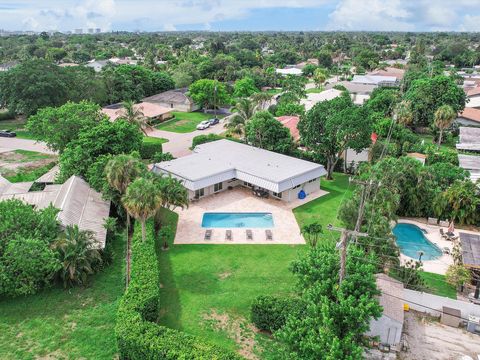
{"points": [[428, 339], [224, 275], [238, 329], [11, 156]]}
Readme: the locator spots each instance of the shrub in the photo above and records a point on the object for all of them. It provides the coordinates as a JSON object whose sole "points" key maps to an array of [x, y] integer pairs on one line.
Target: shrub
{"points": [[138, 336], [148, 150], [7, 115], [202, 139], [270, 313]]}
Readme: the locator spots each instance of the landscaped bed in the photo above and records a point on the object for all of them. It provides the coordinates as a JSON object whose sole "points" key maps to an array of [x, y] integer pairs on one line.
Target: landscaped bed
{"points": [[184, 122]]}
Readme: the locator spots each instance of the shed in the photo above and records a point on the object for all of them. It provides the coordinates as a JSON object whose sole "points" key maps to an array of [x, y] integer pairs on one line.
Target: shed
{"points": [[451, 317]]}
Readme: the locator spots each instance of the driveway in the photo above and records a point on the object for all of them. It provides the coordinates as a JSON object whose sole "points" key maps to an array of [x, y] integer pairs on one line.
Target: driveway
{"points": [[179, 144], [10, 144]]}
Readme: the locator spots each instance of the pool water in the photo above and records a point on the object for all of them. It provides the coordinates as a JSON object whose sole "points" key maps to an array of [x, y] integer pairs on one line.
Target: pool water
{"points": [[411, 240], [237, 220]]}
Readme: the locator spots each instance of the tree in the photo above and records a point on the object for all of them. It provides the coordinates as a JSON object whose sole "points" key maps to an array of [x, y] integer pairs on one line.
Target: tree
{"points": [[262, 99], [319, 77], [335, 318], [309, 69], [77, 255], [142, 199], [208, 93], [459, 203], [403, 113], [409, 275], [244, 88], [383, 101], [325, 59], [293, 88], [266, 132], [134, 115], [58, 127], [311, 232], [331, 127], [243, 111], [457, 275], [444, 117]]}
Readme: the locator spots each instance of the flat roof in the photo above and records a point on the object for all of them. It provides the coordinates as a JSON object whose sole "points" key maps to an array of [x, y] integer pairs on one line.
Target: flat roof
{"points": [[232, 159], [470, 249]]}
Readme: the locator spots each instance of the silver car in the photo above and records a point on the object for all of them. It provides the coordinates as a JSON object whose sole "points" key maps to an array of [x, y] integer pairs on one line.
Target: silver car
{"points": [[203, 125]]}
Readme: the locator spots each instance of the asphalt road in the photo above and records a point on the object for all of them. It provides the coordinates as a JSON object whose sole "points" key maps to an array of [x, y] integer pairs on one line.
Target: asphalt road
{"points": [[9, 144]]}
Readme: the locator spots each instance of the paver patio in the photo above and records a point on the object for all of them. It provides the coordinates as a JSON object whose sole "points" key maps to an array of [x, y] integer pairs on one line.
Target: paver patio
{"points": [[285, 230]]}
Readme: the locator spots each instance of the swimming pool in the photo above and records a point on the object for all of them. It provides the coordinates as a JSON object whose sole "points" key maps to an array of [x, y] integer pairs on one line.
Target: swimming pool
{"points": [[411, 240], [237, 220]]}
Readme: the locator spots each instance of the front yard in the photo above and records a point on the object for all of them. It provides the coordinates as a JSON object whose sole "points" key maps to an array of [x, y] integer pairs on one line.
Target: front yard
{"points": [[184, 122]]}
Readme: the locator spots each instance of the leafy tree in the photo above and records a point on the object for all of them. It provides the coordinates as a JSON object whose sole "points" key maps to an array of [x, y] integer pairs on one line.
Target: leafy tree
{"points": [[142, 199], [459, 203], [134, 115], [403, 113], [266, 132], [57, 127], [444, 117], [325, 59], [367, 59], [331, 127], [409, 275], [428, 94], [78, 257], [288, 108], [336, 316], [319, 77], [244, 88], [383, 101], [457, 275], [309, 69], [243, 111], [293, 88], [208, 93], [311, 232]]}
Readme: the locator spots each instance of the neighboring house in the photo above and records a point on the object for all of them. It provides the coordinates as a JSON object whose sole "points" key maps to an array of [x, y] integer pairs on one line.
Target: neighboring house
{"points": [[417, 156], [473, 96], [97, 65], [291, 123], [353, 158], [354, 88], [388, 328], [289, 71], [302, 64], [175, 100], [123, 61], [396, 61], [471, 163], [377, 80], [314, 98], [67, 64], [469, 117], [390, 72], [469, 139], [223, 164], [78, 203], [151, 111], [8, 65]]}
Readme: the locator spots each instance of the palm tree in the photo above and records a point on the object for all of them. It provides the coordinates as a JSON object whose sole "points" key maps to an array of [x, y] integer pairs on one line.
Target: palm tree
{"points": [[134, 115], [76, 255], [403, 113], [262, 99], [142, 199], [244, 110], [444, 117]]}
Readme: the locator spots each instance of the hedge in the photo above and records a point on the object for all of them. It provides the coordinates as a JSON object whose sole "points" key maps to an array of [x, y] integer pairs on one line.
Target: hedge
{"points": [[270, 313], [149, 149], [138, 336], [202, 139]]}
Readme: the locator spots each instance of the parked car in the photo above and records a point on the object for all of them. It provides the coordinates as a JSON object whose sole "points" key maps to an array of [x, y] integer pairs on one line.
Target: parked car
{"points": [[214, 121], [203, 125], [7, 133]]}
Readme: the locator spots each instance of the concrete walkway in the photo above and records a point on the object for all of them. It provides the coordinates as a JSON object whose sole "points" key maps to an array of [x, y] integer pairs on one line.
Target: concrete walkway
{"points": [[10, 144]]}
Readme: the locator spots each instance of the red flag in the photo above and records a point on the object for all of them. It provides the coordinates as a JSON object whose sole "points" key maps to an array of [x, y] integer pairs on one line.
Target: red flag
{"points": [[374, 137]]}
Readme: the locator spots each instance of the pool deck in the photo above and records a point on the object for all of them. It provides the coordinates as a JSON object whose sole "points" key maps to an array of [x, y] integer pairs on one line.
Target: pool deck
{"points": [[440, 265], [285, 230]]}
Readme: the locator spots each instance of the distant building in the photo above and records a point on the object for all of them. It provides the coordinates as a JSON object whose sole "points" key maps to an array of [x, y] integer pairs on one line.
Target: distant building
{"points": [[176, 100], [473, 96], [97, 65], [354, 88], [78, 31], [390, 72], [151, 111], [91, 30], [314, 98], [289, 71], [377, 80], [417, 156], [471, 163], [291, 123], [469, 117]]}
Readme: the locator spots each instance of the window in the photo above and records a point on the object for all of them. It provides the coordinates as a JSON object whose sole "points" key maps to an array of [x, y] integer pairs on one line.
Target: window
{"points": [[199, 193], [218, 187], [247, 184], [310, 181], [278, 195], [171, 105], [296, 187]]}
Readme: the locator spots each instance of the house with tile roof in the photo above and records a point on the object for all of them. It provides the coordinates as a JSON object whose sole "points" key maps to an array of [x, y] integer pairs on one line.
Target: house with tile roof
{"points": [[469, 117], [175, 100]]}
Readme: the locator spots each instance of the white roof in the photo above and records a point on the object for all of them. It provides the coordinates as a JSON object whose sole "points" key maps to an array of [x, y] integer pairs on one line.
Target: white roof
{"points": [[472, 164], [314, 98], [224, 160], [373, 79], [289, 71], [469, 138]]}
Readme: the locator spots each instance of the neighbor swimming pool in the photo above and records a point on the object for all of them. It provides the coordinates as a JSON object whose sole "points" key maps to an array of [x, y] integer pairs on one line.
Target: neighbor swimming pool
{"points": [[237, 220], [411, 240]]}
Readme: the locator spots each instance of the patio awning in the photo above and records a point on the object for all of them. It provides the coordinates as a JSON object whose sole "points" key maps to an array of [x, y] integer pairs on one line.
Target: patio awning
{"points": [[470, 249]]}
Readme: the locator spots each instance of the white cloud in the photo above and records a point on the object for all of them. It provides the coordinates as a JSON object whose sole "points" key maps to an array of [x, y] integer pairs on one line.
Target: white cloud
{"points": [[470, 23]]}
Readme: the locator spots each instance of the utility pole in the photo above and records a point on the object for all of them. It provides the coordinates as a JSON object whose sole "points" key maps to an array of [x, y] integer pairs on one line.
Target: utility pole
{"points": [[366, 190]]}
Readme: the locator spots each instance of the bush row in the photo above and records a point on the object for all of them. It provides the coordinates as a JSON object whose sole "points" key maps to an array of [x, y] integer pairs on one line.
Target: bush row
{"points": [[270, 313], [148, 150], [202, 139], [138, 336]]}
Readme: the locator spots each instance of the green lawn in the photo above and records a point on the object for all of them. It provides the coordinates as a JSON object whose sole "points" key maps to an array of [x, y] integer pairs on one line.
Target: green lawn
{"points": [[65, 324], [31, 155], [154, 140], [184, 122], [197, 280], [17, 125], [315, 90], [436, 284]]}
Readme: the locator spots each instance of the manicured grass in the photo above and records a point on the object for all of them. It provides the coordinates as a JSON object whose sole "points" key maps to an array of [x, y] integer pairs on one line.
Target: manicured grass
{"points": [[65, 324], [184, 122], [31, 155], [315, 90], [154, 140], [437, 285], [274, 91]]}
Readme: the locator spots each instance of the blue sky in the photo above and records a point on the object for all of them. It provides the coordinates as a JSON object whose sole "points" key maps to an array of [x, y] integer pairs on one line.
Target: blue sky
{"points": [[226, 15]]}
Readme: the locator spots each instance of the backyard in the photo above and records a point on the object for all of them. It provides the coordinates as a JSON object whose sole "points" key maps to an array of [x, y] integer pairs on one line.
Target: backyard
{"points": [[184, 122], [65, 323]]}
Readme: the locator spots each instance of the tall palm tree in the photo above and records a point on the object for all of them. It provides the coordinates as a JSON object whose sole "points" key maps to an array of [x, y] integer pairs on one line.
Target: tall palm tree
{"points": [[76, 255], [444, 117], [403, 113], [243, 110], [134, 115], [262, 99], [142, 200]]}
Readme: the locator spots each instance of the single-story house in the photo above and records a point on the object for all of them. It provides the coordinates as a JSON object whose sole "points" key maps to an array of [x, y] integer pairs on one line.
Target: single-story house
{"points": [[314, 98], [473, 96], [224, 164], [78, 203], [354, 88], [377, 80], [469, 117], [469, 139], [291, 123], [151, 111], [388, 328], [289, 71], [175, 100], [97, 65], [471, 163], [390, 72], [68, 65]]}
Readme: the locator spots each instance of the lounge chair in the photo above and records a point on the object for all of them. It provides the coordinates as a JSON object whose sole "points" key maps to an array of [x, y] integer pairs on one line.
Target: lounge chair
{"points": [[228, 235], [268, 234], [443, 234], [208, 234], [249, 234]]}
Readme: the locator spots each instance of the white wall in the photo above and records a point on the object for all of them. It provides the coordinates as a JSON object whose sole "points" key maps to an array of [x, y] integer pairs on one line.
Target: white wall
{"points": [[388, 330]]}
